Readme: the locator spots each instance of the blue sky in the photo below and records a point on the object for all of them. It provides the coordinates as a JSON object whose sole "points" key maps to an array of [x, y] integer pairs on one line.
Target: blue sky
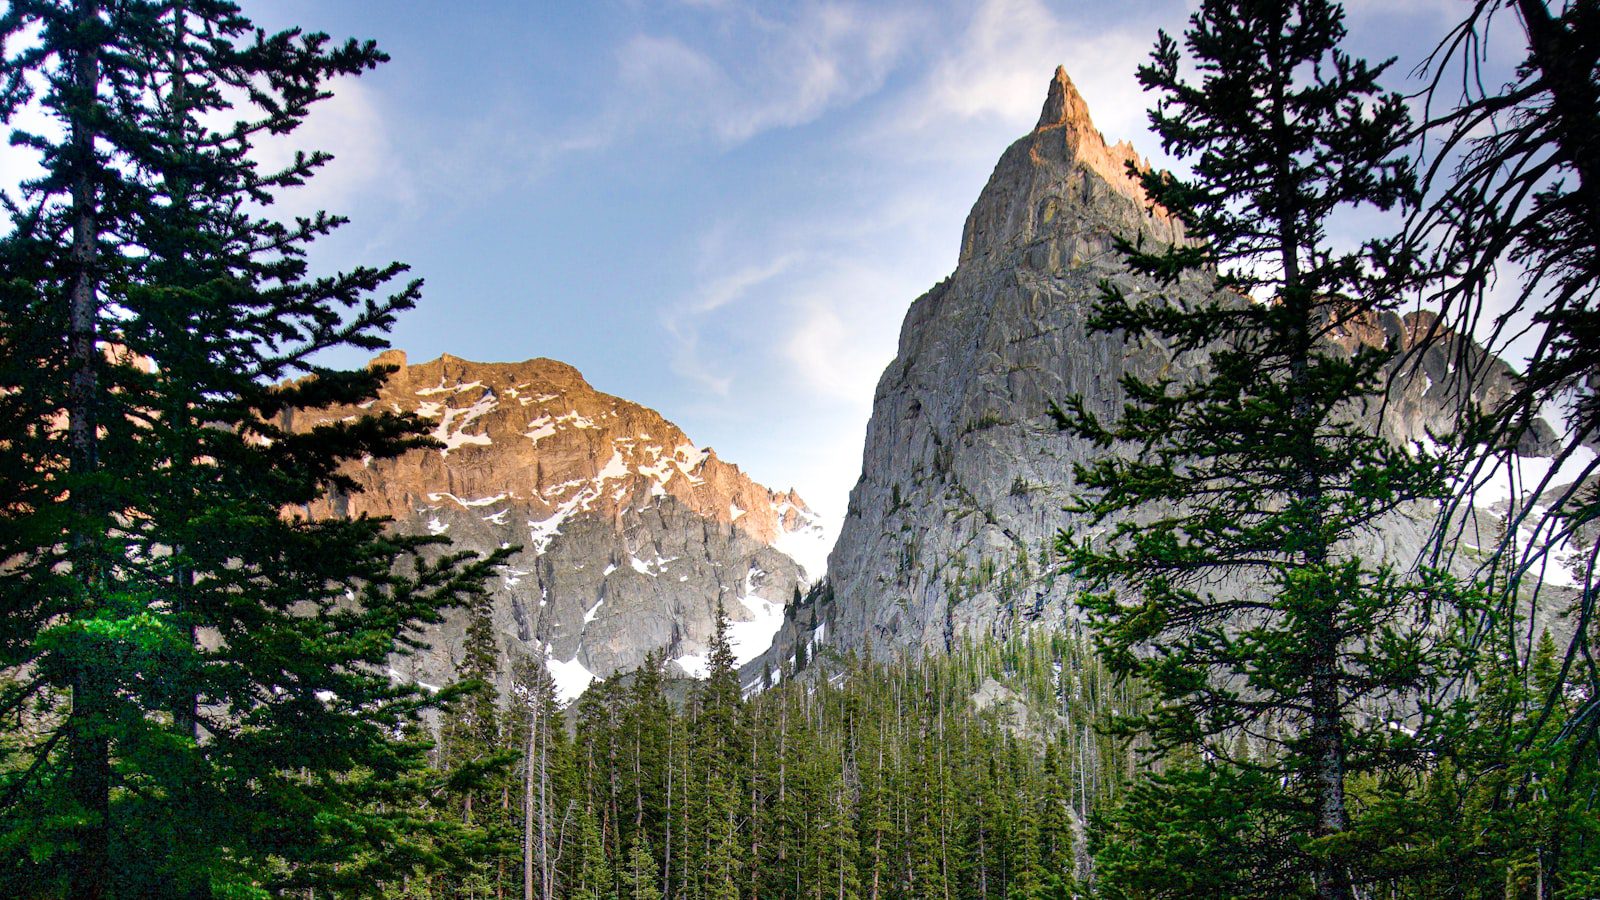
{"points": [[718, 209]]}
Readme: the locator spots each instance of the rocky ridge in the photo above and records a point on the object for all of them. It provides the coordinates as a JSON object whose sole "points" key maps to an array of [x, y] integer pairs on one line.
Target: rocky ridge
{"points": [[964, 478], [631, 533]]}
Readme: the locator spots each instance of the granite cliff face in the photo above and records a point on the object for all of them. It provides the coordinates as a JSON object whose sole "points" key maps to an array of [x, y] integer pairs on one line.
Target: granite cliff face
{"points": [[964, 476], [631, 533]]}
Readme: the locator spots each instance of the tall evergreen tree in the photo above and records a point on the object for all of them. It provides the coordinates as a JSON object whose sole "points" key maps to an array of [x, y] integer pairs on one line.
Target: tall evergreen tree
{"points": [[638, 874], [717, 745], [203, 674], [1231, 584], [592, 873]]}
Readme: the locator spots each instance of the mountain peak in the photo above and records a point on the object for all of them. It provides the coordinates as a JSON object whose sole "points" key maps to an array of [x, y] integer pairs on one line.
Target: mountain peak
{"points": [[630, 533], [1062, 185], [1064, 105], [390, 357]]}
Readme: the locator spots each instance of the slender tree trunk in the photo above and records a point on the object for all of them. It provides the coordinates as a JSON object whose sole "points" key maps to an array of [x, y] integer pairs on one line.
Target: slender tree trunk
{"points": [[877, 821], [666, 873], [88, 748], [638, 777], [1327, 740], [755, 811], [185, 714], [944, 811], [527, 801], [500, 859], [1327, 714], [546, 876], [785, 835]]}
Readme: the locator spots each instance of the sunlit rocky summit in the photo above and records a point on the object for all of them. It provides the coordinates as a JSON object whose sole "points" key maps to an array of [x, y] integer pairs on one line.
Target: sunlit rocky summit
{"points": [[965, 478], [631, 533]]}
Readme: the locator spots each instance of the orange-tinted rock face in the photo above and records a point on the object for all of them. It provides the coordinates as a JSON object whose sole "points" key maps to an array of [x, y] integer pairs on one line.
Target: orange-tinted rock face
{"points": [[537, 432], [631, 532]]}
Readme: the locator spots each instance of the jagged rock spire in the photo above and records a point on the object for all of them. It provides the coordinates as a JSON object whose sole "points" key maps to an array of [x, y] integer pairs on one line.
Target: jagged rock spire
{"points": [[1061, 180], [1064, 104]]}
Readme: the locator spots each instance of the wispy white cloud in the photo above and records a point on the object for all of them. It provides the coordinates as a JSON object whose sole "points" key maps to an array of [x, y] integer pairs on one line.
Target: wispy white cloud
{"points": [[722, 290], [1007, 49], [691, 361], [760, 72], [350, 125]]}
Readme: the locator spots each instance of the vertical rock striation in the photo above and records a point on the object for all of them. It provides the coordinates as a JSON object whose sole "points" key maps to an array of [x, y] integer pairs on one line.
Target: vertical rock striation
{"points": [[964, 475], [950, 528]]}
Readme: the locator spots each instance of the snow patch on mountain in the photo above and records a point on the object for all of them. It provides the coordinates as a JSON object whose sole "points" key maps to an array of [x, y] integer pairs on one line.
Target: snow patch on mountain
{"points": [[750, 639]]}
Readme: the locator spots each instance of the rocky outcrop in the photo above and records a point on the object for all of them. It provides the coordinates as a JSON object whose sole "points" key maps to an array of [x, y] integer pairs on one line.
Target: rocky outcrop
{"points": [[948, 532], [950, 528], [631, 533]]}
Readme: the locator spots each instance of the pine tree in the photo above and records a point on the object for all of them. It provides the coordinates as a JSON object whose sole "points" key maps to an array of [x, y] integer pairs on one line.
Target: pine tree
{"points": [[1229, 584], [1027, 880], [593, 878], [473, 765], [839, 845], [719, 695], [639, 874], [1057, 836], [469, 730], [719, 852], [204, 673], [718, 745]]}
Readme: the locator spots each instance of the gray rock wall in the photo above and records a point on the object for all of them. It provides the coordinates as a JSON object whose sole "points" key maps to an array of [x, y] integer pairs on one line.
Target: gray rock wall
{"points": [[950, 529]]}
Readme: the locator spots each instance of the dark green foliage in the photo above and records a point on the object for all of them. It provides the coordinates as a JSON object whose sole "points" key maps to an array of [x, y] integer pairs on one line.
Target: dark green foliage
{"points": [[1509, 809], [872, 782], [196, 682], [1231, 582], [1214, 827], [638, 874]]}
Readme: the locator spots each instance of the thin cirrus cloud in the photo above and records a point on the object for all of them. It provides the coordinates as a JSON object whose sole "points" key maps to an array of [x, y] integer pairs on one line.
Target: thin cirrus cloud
{"points": [[353, 128], [821, 290], [692, 360], [757, 72]]}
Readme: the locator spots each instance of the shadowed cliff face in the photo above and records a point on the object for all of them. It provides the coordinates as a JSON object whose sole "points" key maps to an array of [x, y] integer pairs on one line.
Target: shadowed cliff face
{"points": [[631, 533], [964, 476]]}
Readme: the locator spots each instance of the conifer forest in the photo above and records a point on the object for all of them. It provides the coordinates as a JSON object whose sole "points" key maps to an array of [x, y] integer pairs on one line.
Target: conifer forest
{"points": [[1227, 527]]}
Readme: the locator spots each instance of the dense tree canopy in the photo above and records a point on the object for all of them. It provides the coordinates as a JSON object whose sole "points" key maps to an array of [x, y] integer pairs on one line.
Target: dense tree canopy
{"points": [[196, 677]]}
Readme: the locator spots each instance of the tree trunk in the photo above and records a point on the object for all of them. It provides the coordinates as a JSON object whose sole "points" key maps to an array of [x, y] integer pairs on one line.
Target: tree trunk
{"points": [[185, 714], [527, 802], [666, 873], [88, 747], [1327, 741], [546, 876]]}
